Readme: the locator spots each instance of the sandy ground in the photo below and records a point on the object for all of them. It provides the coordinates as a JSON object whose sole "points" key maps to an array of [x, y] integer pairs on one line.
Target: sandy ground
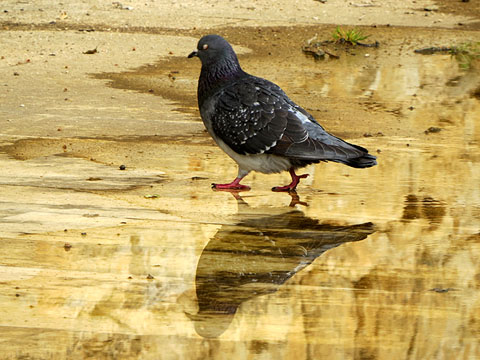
{"points": [[69, 119], [46, 73]]}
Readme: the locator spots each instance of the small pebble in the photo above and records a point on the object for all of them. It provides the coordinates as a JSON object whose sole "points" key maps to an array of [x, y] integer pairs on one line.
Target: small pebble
{"points": [[432, 130], [122, 167], [441, 290]]}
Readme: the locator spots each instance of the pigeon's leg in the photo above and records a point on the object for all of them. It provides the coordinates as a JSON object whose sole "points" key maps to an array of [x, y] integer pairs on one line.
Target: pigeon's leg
{"points": [[235, 184], [295, 180]]}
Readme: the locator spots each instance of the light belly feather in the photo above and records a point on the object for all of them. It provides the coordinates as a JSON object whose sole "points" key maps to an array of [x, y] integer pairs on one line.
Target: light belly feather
{"points": [[264, 163]]}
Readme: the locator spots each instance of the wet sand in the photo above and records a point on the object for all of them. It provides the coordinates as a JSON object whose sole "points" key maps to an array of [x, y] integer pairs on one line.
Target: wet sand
{"points": [[149, 262]]}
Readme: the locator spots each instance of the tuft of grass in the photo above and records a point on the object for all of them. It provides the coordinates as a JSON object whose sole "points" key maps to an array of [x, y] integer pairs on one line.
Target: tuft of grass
{"points": [[352, 36], [466, 54]]}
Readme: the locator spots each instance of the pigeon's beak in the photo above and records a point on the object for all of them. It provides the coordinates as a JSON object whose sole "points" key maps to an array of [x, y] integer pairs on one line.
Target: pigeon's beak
{"points": [[192, 54]]}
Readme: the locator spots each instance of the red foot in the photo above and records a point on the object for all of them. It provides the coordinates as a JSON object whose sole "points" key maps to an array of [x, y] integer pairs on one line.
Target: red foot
{"points": [[293, 185], [234, 185]]}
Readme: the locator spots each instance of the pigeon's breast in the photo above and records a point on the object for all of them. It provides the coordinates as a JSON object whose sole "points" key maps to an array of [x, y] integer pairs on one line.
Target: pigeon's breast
{"points": [[206, 112]]}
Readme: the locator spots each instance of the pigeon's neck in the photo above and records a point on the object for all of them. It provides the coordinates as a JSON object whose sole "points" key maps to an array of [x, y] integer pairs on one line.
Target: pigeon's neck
{"points": [[214, 76]]}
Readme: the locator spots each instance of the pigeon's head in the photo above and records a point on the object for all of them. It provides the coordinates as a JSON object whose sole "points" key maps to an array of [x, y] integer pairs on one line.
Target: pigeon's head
{"points": [[212, 49]]}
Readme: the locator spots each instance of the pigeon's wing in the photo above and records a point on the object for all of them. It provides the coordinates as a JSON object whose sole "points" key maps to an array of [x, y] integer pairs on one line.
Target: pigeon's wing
{"points": [[253, 116], [318, 144], [250, 115]]}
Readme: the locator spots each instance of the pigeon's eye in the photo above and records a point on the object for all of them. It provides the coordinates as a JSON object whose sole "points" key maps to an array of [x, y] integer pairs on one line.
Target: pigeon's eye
{"points": [[205, 46]]}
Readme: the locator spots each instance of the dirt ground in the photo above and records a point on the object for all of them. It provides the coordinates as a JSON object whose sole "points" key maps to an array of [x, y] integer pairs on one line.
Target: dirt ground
{"points": [[470, 9], [100, 262], [47, 74]]}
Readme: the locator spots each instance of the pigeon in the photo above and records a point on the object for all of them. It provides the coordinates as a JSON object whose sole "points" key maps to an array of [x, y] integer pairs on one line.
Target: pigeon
{"points": [[258, 125]]}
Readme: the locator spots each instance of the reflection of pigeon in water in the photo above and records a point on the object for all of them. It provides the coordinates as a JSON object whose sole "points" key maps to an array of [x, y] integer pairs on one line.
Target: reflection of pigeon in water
{"points": [[258, 125], [255, 257]]}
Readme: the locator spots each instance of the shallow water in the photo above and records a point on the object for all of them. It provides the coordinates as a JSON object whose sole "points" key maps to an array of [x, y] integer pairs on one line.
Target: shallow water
{"points": [[151, 263]]}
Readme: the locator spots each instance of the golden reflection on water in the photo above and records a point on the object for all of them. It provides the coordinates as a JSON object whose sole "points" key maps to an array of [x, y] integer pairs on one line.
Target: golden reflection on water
{"points": [[255, 257]]}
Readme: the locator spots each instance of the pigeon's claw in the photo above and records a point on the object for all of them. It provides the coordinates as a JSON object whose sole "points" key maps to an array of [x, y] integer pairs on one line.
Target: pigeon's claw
{"points": [[234, 185], [230, 187], [287, 188], [293, 185]]}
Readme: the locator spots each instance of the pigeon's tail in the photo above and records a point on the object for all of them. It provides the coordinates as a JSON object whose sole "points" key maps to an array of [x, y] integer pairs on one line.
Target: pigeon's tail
{"points": [[364, 161], [337, 150]]}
